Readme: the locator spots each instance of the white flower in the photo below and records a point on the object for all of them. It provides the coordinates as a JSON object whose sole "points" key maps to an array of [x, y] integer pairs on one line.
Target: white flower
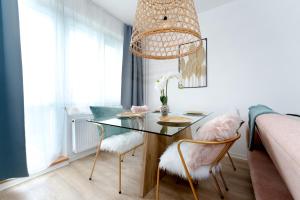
{"points": [[158, 85], [161, 83], [170, 76]]}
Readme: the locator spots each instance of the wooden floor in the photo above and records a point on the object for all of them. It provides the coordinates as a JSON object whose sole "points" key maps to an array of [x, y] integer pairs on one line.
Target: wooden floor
{"points": [[71, 183]]}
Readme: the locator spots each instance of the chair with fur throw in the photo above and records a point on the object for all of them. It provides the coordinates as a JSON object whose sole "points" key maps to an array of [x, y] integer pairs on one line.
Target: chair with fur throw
{"points": [[200, 157], [117, 140]]}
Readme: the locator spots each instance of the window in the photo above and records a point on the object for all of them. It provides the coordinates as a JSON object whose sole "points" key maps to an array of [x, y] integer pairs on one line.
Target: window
{"points": [[72, 56]]}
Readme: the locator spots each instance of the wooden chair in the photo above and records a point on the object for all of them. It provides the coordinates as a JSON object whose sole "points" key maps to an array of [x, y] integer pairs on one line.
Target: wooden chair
{"points": [[137, 141], [214, 168]]}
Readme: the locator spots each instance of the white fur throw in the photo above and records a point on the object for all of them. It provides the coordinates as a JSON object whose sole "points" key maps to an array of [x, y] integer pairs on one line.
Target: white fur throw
{"points": [[200, 157], [170, 161], [123, 142]]}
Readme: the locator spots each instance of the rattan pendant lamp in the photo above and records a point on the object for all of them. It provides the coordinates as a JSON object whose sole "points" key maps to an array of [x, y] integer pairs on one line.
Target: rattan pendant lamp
{"points": [[162, 26]]}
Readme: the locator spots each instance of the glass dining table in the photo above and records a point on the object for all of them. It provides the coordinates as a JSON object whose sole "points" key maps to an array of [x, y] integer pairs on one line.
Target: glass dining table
{"points": [[157, 138]]}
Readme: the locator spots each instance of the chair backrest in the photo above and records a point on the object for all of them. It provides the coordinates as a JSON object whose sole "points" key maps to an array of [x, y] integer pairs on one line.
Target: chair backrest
{"points": [[211, 152], [214, 139], [227, 144], [103, 113]]}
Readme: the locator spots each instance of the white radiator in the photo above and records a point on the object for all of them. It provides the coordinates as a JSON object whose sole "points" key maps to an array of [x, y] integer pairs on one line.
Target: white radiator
{"points": [[84, 135]]}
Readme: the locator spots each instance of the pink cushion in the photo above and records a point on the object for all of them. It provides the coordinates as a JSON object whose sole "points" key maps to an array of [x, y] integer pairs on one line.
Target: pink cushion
{"points": [[219, 129], [139, 109]]}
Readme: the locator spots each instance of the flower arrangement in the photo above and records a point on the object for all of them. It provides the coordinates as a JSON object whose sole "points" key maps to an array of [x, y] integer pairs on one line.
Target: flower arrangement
{"points": [[162, 85]]}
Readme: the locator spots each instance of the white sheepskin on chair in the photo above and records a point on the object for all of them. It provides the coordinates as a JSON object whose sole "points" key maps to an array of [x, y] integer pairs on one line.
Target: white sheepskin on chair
{"points": [[170, 161], [123, 142], [199, 157]]}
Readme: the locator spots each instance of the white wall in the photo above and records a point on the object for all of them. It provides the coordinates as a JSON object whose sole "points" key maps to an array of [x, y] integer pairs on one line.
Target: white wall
{"points": [[253, 57]]}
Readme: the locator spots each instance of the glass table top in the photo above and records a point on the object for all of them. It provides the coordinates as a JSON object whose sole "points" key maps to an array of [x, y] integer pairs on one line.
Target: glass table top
{"points": [[150, 123]]}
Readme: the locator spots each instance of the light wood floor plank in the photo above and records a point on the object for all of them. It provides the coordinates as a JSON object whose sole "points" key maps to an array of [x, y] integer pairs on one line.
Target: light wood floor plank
{"points": [[71, 182]]}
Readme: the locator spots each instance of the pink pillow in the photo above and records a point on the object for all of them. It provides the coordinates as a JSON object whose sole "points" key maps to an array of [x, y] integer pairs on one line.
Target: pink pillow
{"points": [[139, 109], [219, 129]]}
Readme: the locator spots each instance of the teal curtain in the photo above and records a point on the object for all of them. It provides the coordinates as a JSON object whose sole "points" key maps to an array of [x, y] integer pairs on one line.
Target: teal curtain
{"points": [[12, 128], [132, 93]]}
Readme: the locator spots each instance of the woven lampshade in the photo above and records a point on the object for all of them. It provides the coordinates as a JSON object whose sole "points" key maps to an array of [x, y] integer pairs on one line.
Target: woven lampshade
{"points": [[161, 26]]}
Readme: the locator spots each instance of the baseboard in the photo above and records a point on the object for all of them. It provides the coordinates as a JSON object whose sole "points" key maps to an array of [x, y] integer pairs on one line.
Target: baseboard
{"points": [[238, 156], [3, 181], [60, 159], [17, 181], [13, 182], [78, 156]]}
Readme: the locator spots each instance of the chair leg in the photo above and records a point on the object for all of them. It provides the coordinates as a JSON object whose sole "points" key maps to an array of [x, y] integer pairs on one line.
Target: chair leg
{"points": [[218, 186], [157, 185], [193, 188], [120, 162], [95, 160], [233, 166], [223, 180]]}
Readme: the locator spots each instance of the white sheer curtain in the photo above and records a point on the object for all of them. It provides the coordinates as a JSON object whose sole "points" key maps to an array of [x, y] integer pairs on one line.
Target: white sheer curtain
{"points": [[72, 56]]}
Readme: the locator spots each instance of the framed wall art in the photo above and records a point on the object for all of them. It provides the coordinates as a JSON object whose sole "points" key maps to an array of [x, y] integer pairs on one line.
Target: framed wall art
{"points": [[193, 67]]}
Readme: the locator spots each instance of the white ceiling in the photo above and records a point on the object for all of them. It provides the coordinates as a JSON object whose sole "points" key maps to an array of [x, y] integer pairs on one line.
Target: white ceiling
{"points": [[125, 9]]}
